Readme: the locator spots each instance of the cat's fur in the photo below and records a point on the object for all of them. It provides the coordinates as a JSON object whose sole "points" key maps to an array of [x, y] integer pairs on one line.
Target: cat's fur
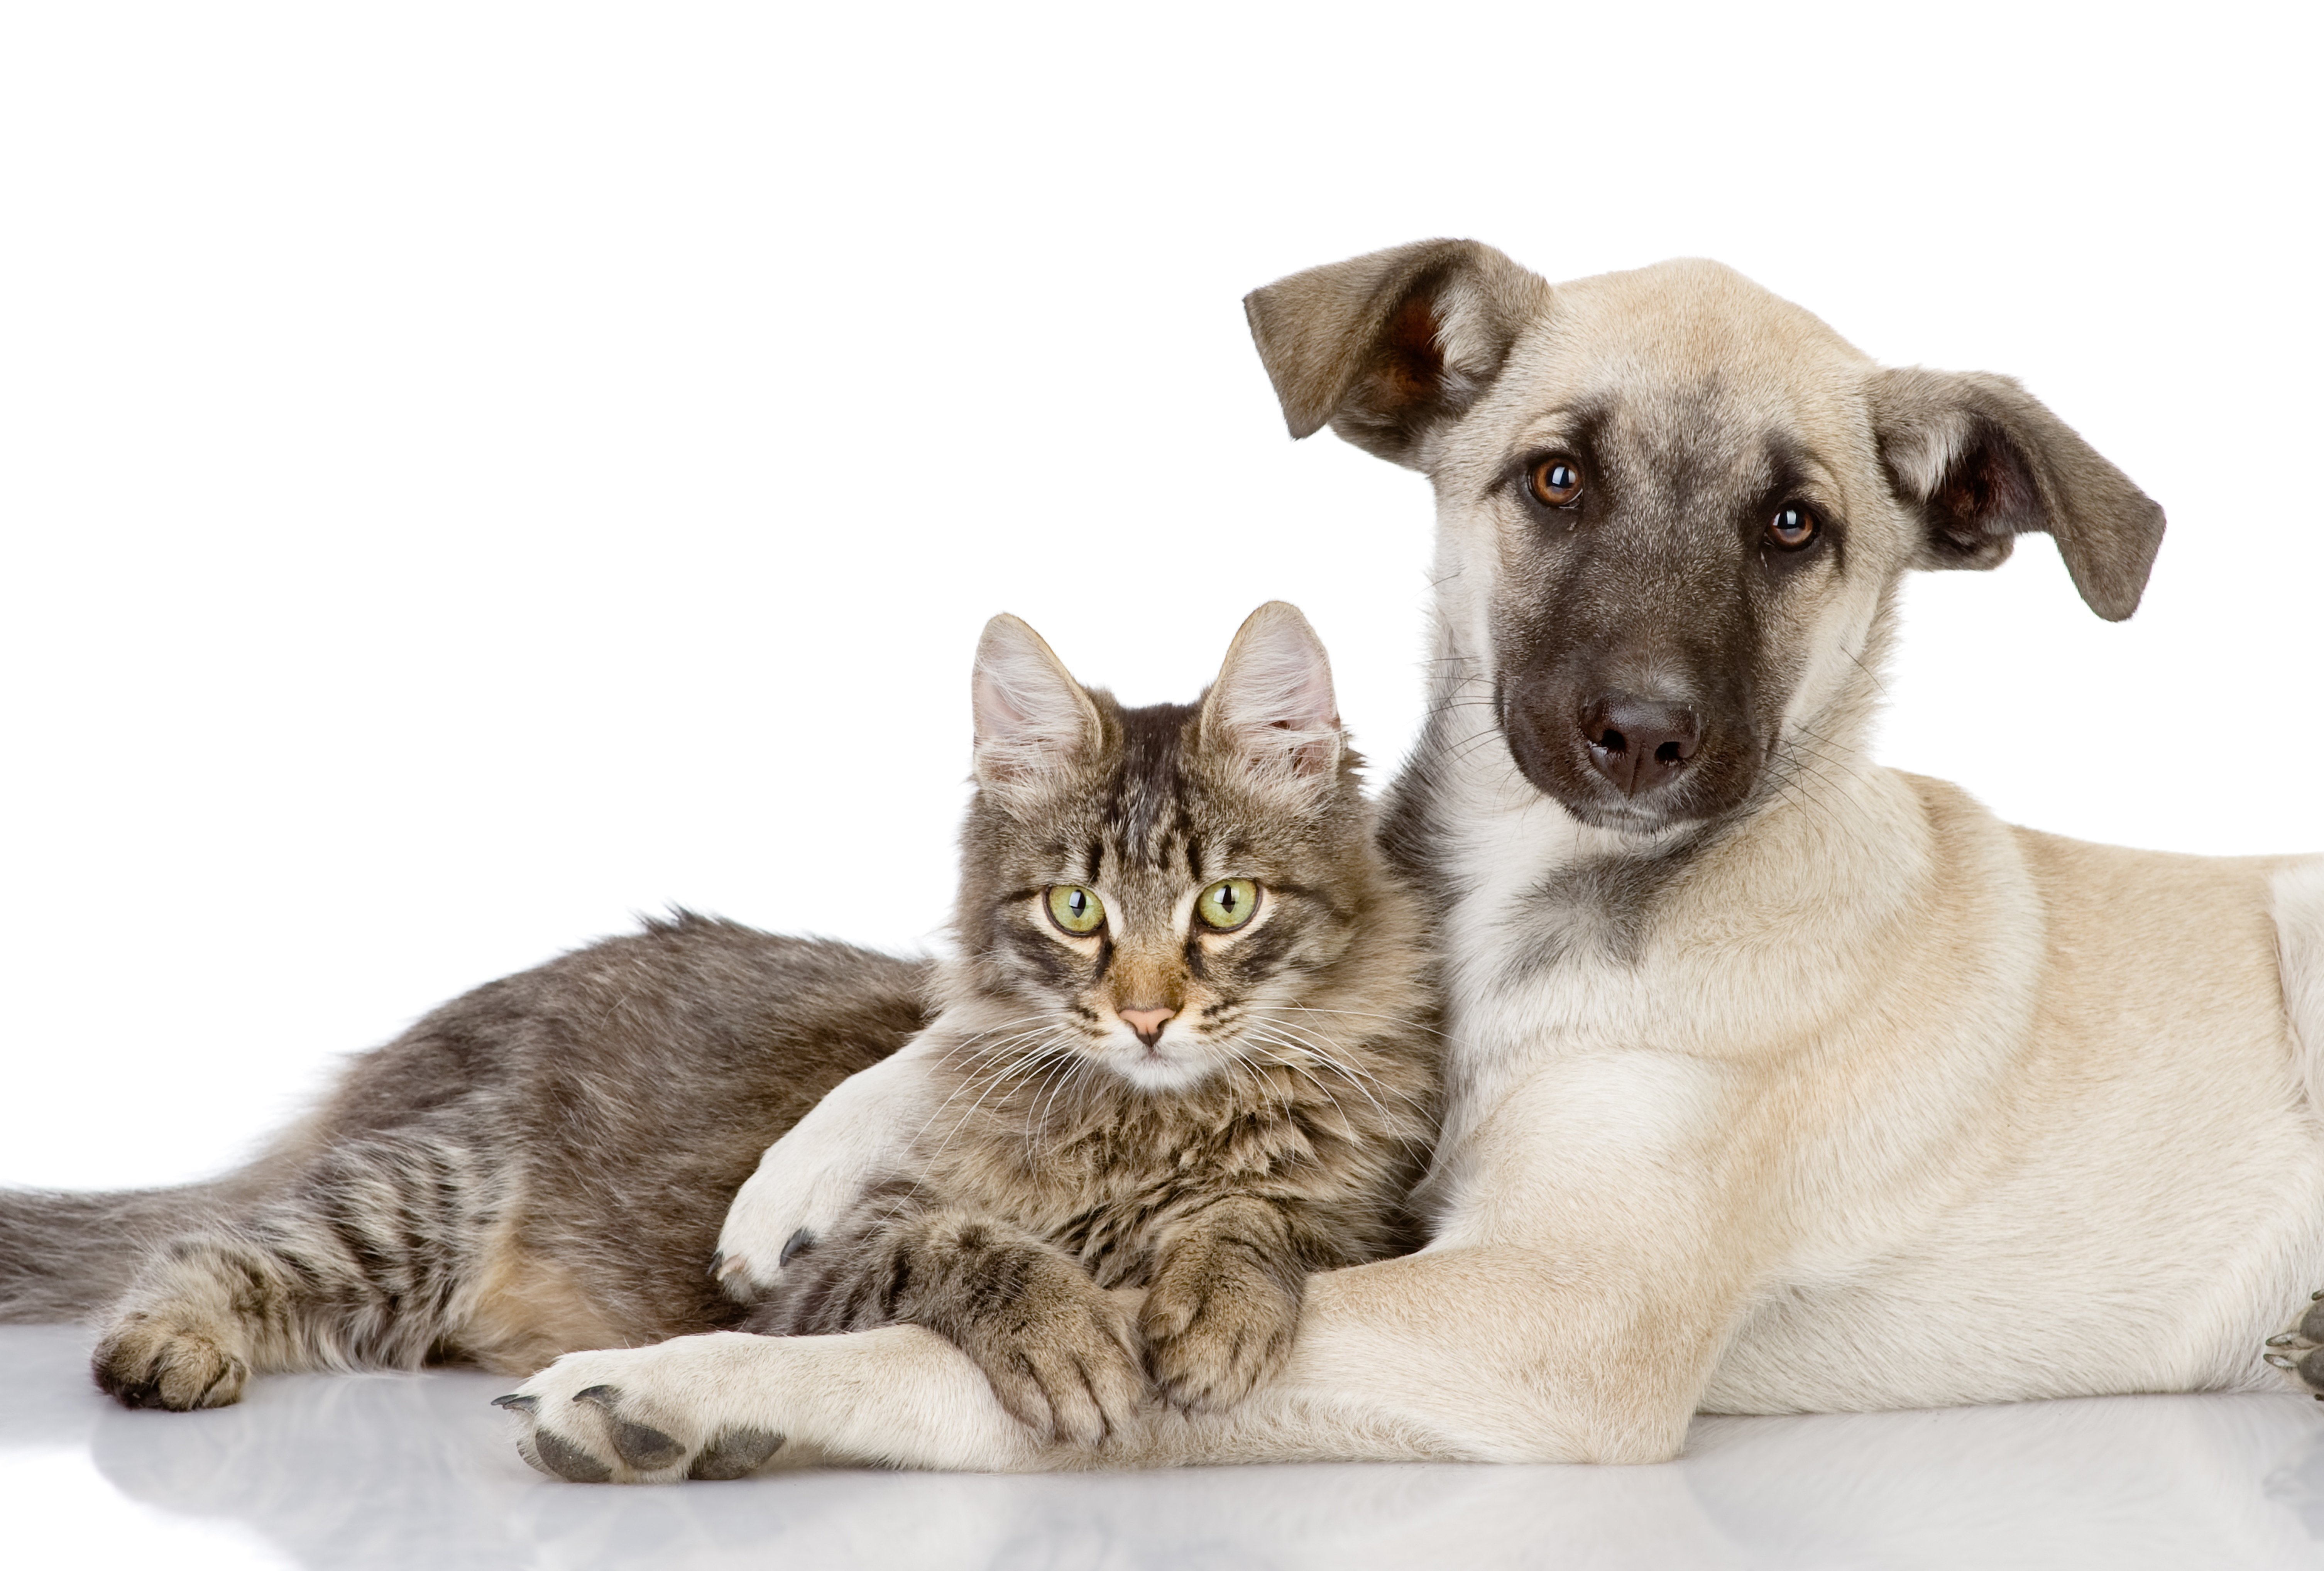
{"points": [[536, 1167], [1274, 1124]]}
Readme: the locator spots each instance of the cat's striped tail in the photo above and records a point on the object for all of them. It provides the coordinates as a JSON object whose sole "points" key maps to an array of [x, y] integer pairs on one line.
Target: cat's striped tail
{"points": [[65, 1253]]}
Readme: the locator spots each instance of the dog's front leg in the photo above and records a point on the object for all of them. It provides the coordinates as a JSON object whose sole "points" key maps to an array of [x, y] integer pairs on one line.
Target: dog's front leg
{"points": [[1463, 1355], [812, 1177], [1601, 1230], [1588, 1278], [1477, 1355]]}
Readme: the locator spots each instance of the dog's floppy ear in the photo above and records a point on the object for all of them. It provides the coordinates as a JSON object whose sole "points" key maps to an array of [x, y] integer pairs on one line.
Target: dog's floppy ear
{"points": [[1383, 347], [1981, 461]]}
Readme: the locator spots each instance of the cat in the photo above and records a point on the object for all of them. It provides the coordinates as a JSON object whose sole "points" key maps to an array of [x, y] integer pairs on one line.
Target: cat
{"points": [[542, 1165], [1185, 1047], [536, 1168]]}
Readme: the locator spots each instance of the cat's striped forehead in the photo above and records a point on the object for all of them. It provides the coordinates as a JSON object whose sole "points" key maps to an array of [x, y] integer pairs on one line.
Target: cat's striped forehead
{"points": [[1146, 815], [1160, 812]]}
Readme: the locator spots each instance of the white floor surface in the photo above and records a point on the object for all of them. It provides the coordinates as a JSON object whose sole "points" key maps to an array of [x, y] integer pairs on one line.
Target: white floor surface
{"points": [[416, 1472]]}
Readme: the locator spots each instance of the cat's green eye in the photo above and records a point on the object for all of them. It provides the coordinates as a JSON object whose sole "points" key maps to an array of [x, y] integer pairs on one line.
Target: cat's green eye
{"points": [[1228, 903], [1077, 910]]}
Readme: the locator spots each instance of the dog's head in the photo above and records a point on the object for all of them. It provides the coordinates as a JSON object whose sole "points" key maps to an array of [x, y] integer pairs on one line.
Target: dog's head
{"points": [[1673, 508]]}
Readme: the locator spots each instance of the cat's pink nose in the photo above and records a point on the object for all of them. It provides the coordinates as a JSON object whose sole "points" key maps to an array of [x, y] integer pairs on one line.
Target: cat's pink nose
{"points": [[1147, 1022]]}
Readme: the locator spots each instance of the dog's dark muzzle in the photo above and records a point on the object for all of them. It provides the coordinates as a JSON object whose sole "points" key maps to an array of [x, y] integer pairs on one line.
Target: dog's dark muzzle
{"points": [[1621, 759]]}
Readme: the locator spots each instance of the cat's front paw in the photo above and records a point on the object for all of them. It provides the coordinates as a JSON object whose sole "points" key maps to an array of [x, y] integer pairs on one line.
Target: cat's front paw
{"points": [[1216, 1323], [638, 1415], [2300, 1351], [1061, 1358]]}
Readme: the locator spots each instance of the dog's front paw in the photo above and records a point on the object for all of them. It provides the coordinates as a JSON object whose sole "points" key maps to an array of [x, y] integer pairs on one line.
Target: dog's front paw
{"points": [[2300, 1352], [809, 1179], [1216, 1323], [619, 1417]]}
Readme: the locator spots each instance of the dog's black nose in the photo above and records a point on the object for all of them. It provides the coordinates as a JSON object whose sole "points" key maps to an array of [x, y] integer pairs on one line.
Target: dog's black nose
{"points": [[1640, 744]]}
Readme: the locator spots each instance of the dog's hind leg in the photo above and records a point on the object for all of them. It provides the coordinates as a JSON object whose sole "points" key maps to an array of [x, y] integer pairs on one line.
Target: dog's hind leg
{"points": [[2300, 957]]}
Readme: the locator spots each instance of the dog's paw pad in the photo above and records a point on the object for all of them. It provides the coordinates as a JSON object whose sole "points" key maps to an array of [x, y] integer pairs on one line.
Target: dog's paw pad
{"points": [[735, 1454], [579, 1425], [641, 1446], [558, 1457]]}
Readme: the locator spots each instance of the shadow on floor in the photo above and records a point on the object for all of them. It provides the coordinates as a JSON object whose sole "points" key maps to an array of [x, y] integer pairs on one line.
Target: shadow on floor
{"points": [[395, 1471]]}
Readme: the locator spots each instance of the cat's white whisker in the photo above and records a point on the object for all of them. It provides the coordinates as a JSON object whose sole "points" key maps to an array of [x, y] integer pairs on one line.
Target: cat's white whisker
{"points": [[1298, 1039], [992, 1080], [1401, 1023]]}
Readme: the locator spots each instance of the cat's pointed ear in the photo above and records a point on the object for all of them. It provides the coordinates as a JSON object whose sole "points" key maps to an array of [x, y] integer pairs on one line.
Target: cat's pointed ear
{"points": [[1272, 704], [1032, 718]]}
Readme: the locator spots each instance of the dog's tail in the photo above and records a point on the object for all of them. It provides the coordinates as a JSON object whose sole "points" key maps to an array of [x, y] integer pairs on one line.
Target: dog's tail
{"points": [[65, 1255], [2300, 954]]}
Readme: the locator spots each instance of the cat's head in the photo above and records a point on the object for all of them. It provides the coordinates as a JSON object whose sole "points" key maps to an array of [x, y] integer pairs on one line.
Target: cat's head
{"points": [[1155, 891]]}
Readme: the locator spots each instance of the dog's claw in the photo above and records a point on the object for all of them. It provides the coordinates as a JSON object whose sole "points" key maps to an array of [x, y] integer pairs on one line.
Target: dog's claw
{"points": [[2283, 1340], [517, 1402], [802, 1239], [2281, 1362]]}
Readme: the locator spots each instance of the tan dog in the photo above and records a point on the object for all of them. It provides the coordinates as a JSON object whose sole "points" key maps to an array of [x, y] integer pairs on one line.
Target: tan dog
{"points": [[1780, 1081]]}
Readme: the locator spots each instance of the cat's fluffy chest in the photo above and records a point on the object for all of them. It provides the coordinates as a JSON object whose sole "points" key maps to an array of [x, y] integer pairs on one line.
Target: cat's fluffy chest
{"points": [[1106, 1176]]}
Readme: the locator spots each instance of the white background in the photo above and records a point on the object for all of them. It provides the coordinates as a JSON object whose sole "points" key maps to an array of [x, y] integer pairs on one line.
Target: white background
{"points": [[470, 474]]}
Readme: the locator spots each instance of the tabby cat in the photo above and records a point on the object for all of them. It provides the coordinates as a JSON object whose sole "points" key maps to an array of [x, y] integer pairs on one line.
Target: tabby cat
{"points": [[1208, 1072], [1185, 1047]]}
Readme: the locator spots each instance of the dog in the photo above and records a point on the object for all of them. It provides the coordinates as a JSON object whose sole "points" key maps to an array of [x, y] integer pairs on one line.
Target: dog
{"points": [[1778, 1081]]}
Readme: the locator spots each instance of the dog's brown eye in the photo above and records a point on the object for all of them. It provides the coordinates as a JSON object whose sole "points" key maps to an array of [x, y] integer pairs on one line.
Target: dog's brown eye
{"points": [[1792, 528], [1556, 482]]}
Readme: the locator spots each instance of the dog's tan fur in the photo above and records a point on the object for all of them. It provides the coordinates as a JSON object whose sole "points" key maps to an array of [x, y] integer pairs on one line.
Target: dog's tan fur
{"points": [[1865, 1100]]}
